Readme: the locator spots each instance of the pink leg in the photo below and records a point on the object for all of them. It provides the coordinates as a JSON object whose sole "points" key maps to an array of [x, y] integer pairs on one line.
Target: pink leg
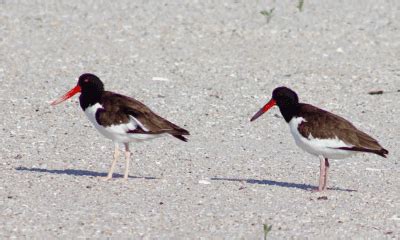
{"points": [[322, 174], [326, 174], [127, 159], [116, 155]]}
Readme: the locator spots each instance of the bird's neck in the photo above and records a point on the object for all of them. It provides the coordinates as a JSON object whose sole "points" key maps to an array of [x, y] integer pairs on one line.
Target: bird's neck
{"points": [[289, 111], [89, 99]]}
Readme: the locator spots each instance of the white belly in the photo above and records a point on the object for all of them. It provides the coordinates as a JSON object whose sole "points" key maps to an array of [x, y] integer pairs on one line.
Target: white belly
{"points": [[118, 133], [319, 147]]}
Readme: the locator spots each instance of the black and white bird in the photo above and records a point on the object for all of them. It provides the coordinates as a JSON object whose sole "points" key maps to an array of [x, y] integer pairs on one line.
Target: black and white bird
{"points": [[320, 132], [119, 118]]}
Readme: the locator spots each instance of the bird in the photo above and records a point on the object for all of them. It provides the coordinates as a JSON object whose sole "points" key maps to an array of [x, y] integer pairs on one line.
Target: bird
{"points": [[120, 118], [320, 132]]}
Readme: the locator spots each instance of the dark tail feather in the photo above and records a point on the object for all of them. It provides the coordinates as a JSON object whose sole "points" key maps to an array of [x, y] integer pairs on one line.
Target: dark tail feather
{"points": [[382, 152], [182, 131], [180, 137], [179, 132]]}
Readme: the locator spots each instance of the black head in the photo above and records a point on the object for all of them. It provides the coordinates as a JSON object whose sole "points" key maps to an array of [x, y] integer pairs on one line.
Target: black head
{"points": [[285, 97], [287, 101], [90, 84], [90, 87]]}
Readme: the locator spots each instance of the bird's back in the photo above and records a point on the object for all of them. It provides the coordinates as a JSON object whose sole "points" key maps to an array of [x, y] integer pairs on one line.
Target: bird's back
{"points": [[121, 108], [325, 125]]}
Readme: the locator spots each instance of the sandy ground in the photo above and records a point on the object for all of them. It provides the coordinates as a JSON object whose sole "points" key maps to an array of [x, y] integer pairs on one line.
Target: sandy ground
{"points": [[207, 66]]}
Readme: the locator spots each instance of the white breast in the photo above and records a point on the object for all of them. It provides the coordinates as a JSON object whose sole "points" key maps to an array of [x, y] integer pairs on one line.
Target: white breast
{"points": [[118, 132], [319, 147]]}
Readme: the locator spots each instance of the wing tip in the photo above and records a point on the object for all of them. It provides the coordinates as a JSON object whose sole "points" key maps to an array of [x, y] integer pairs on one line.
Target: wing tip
{"points": [[383, 152], [181, 137], [181, 131]]}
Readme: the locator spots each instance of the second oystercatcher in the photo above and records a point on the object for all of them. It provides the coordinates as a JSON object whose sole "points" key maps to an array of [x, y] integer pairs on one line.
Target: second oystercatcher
{"points": [[119, 118], [320, 132]]}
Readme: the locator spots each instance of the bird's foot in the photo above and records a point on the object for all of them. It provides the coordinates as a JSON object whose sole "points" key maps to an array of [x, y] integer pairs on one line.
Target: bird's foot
{"points": [[106, 178], [314, 190]]}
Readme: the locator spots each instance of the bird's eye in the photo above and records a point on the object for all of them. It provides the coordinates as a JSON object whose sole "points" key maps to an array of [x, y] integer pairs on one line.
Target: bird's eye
{"points": [[86, 80]]}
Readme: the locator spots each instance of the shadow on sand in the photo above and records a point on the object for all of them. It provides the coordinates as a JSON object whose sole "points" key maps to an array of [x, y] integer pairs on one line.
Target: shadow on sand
{"points": [[76, 172], [305, 187]]}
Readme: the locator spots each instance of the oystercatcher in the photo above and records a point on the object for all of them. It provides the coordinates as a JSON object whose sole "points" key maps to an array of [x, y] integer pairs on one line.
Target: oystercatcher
{"points": [[320, 132], [119, 118]]}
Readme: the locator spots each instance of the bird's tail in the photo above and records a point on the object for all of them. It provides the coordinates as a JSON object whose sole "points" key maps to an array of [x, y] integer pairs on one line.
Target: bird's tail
{"points": [[178, 132], [381, 152], [181, 137]]}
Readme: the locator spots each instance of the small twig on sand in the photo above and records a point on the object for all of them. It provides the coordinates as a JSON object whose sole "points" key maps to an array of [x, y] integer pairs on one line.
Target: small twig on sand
{"points": [[380, 92]]}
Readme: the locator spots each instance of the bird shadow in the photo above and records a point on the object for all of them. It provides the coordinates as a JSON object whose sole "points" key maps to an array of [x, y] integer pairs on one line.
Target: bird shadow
{"points": [[302, 186], [76, 172]]}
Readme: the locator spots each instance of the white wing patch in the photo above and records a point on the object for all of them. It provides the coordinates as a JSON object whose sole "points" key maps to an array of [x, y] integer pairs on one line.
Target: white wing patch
{"points": [[316, 146], [118, 132], [138, 123]]}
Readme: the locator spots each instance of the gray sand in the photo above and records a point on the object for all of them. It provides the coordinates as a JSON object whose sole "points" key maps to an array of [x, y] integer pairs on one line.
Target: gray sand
{"points": [[207, 66]]}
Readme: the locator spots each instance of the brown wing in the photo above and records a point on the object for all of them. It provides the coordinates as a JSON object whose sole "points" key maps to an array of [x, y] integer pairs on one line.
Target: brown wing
{"points": [[323, 124], [121, 107]]}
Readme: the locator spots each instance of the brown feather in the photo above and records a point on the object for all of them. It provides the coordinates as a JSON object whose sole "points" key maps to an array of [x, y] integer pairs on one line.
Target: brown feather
{"points": [[118, 108], [323, 124]]}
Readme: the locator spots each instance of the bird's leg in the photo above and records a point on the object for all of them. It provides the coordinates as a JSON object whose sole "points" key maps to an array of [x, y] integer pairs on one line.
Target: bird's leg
{"points": [[116, 155], [127, 159], [326, 174], [322, 169]]}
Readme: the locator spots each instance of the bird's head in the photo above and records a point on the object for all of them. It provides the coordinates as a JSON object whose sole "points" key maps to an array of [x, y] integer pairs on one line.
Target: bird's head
{"points": [[283, 97], [87, 84]]}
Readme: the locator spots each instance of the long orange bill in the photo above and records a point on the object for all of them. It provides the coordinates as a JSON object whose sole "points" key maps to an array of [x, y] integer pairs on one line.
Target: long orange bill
{"points": [[267, 106], [69, 94]]}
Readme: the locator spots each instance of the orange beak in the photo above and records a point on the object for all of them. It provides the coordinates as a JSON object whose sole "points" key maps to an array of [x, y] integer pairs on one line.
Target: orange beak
{"points": [[69, 94], [267, 106]]}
